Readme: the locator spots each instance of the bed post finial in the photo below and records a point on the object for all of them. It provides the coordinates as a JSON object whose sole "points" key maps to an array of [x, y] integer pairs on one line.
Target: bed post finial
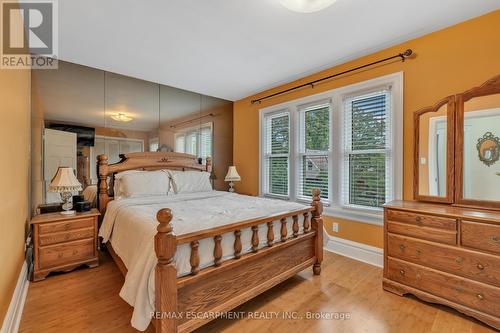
{"points": [[165, 274], [317, 226], [102, 172]]}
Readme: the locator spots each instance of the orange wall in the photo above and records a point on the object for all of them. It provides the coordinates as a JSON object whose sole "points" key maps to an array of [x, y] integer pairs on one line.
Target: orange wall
{"points": [[14, 176], [448, 61]]}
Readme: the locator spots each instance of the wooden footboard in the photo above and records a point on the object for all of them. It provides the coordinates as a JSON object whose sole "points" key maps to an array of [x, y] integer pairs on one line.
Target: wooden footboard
{"points": [[186, 303]]}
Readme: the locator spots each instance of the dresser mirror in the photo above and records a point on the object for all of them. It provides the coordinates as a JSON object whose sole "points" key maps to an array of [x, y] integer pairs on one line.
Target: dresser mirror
{"points": [[478, 146], [434, 149]]}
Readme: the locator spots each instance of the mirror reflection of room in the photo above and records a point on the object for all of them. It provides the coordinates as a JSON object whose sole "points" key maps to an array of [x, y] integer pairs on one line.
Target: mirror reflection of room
{"points": [[481, 148], [432, 152], [80, 112]]}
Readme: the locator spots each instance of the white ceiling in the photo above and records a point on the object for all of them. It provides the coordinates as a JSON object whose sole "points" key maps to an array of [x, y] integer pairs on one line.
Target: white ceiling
{"points": [[234, 48]]}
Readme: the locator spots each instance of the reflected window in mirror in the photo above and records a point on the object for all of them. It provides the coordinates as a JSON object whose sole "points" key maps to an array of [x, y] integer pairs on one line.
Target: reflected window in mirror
{"points": [[197, 140], [481, 148], [433, 152]]}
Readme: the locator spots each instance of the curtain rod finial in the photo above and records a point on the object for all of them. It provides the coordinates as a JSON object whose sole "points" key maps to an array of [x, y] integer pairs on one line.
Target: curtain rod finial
{"points": [[255, 101]]}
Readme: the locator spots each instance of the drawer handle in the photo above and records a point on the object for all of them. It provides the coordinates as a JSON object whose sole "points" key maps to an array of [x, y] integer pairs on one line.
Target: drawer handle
{"points": [[402, 247], [480, 266], [495, 238], [480, 296], [75, 252], [60, 255], [418, 219], [66, 237], [402, 272], [418, 252], [458, 260], [66, 226]]}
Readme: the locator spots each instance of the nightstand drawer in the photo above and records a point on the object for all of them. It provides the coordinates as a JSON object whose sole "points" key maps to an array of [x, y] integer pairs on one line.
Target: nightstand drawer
{"points": [[73, 224], [66, 236], [58, 255]]}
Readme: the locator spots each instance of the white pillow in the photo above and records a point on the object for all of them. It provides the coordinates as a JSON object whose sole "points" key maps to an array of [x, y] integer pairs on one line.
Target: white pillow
{"points": [[117, 190], [190, 181], [141, 184]]}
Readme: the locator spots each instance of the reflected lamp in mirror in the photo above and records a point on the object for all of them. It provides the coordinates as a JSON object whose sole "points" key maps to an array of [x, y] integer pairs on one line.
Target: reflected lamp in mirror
{"points": [[488, 148], [231, 177], [65, 182]]}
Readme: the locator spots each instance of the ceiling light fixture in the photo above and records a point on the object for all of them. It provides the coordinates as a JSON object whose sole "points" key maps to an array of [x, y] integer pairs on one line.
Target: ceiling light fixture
{"points": [[121, 117], [306, 6]]}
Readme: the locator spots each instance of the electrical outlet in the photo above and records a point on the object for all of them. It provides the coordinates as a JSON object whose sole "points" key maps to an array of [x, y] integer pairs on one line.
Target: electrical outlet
{"points": [[335, 227]]}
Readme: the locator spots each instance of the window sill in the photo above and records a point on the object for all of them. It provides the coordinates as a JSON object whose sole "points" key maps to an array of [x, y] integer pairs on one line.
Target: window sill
{"points": [[374, 217], [362, 215]]}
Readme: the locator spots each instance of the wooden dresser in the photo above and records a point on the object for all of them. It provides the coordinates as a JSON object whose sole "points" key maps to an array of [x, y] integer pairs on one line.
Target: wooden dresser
{"points": [[63, 242], [444, 254]]}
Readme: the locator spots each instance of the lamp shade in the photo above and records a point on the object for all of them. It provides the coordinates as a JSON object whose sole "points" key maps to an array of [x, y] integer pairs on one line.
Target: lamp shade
{"points": [[232, 174], [65, 181]]}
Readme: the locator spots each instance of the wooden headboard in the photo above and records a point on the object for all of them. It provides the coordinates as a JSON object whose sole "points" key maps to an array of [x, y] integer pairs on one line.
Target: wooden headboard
{"points": [[142, 161]]}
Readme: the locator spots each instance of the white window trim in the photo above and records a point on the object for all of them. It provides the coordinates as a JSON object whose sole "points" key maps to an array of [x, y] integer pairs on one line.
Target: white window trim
{"points": [[335, 208]]}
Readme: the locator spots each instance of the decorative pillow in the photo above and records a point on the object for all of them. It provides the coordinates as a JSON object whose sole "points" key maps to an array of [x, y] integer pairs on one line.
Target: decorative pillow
{"points": [[117, 190], [146, 183], [190, 181]]}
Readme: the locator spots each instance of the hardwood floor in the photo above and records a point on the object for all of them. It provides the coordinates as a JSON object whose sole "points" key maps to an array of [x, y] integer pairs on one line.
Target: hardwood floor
{"points": [[87, 300]]}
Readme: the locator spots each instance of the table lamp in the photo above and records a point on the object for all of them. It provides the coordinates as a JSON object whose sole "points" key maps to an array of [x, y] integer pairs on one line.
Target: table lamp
{"points": [[231, 177], [65, 182]]}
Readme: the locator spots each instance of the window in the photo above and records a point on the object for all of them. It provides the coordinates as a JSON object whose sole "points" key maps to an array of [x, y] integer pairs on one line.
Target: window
{"points": [[314, 150], [277, 153], [341, 141], [366, 157], [154, 144], [195, 140]]}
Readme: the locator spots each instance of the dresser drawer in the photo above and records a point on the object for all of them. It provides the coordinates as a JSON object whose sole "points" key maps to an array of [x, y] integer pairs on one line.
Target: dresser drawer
{"points": [[47, 228], [456, 289], [66, 236], [480, 236], [433, 234], [423, 220], [66, 253], [470, 264]]}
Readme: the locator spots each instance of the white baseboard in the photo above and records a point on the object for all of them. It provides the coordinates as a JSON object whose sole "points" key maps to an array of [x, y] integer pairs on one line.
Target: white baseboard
{"points": [[354, 250], [14, 313]]}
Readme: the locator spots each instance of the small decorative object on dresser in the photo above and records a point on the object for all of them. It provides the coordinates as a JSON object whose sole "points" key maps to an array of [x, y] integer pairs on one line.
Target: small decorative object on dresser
{"points": [[65, 182], [231, 177], [64, 242]]}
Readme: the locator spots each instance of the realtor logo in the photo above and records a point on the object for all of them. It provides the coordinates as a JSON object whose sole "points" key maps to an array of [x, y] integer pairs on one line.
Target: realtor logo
{"points": [[29, 34]]}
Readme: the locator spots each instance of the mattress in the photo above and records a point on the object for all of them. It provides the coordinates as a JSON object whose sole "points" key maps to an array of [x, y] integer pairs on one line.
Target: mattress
{"points": [[130, 225]]}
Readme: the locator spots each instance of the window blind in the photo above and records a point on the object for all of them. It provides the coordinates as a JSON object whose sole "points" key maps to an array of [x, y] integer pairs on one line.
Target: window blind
{"points": [[277, 153], [206, 142], [367, 149], [196, 141], [314, 150]]}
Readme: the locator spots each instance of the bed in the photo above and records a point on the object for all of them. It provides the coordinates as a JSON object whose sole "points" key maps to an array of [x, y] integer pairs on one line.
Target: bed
{"points": [[212, 250]]}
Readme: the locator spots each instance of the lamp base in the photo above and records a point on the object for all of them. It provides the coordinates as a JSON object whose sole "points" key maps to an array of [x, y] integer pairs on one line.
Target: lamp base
{"points": [[231, 187], [68, 212]]}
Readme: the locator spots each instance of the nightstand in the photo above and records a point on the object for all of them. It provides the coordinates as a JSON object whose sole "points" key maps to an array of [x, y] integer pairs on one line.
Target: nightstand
{"points": [[64, 242]]}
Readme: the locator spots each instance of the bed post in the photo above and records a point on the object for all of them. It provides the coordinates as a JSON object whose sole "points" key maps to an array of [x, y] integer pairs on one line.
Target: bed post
{"points": [[102, 171], [165, 274], [317, 225]]}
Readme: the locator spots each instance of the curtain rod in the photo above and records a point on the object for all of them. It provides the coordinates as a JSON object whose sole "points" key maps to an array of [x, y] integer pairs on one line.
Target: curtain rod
{"points": [[311, 84], [191, 120]]}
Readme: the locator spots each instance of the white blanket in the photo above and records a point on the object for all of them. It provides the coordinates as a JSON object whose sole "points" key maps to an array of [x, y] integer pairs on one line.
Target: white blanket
{"points": [[130, 225]]}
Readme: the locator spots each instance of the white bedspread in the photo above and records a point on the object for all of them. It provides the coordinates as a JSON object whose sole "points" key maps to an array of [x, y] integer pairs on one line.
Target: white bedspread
{"points": [[130, 225]]}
